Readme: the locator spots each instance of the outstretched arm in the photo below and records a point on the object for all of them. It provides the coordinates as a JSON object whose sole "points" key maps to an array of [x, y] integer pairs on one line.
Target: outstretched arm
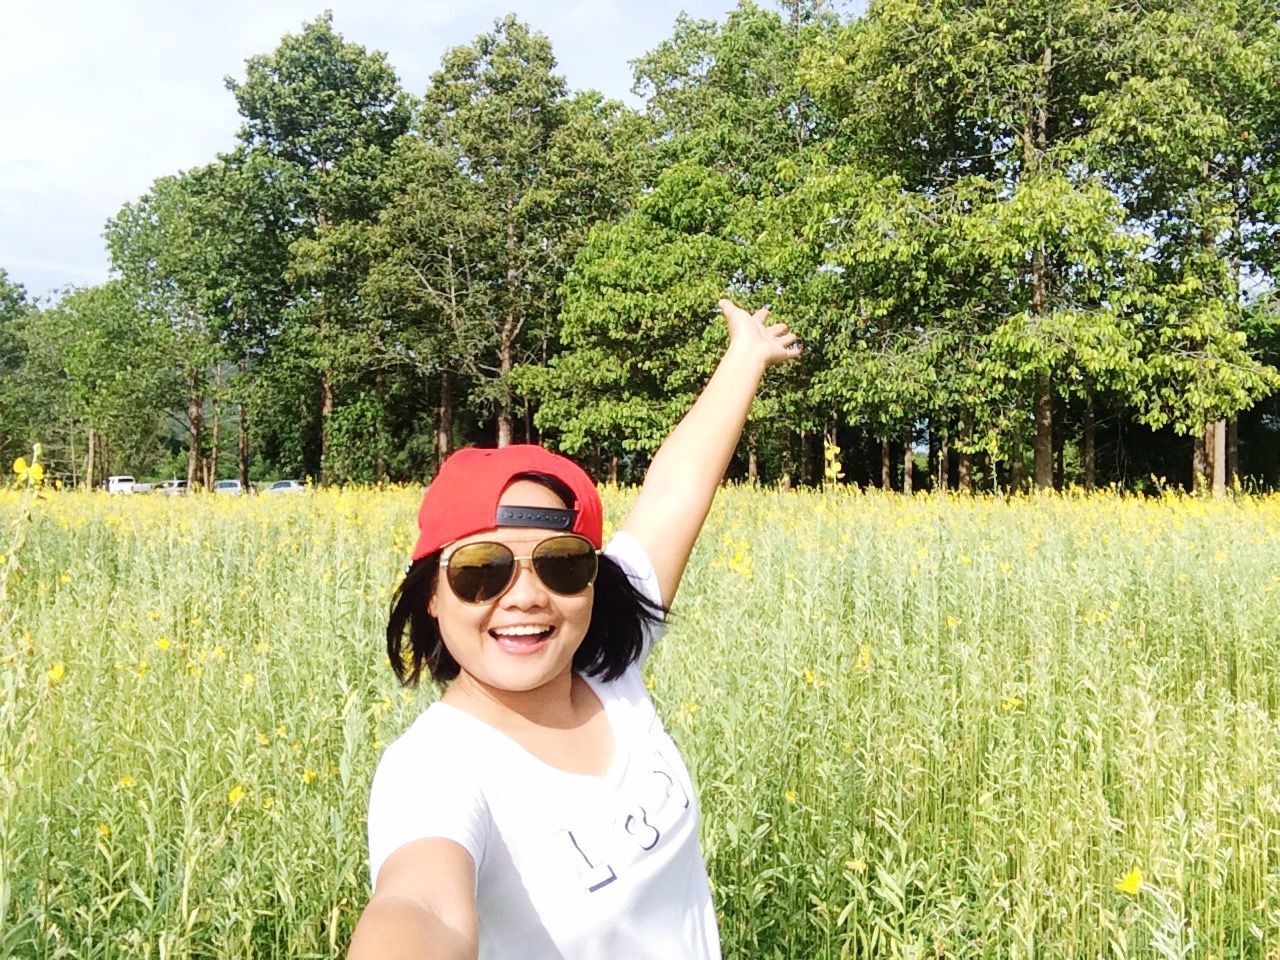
{"points": [[682, 480]]}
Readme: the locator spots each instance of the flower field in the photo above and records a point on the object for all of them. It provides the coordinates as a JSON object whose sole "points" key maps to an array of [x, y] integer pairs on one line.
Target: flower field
{"points": [[920, 727]]}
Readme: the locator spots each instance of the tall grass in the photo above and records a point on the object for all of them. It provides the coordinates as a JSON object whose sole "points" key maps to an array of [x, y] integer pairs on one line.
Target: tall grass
{"points": [[927, 727]]}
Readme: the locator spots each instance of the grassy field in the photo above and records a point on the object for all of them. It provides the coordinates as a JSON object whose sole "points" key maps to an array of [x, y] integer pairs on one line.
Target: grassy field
{"points": [[921, 727]]}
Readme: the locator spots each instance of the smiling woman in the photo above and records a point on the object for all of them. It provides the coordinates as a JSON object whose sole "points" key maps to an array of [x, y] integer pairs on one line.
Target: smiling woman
{"points": [[539, 808]]}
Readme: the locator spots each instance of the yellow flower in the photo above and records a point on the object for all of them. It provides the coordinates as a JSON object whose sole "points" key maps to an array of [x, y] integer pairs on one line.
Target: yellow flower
{"points": [[127, 781], [163, 643], [791, 796], [235, 795], [864, 659], [1132, 883], [857, 866], [247, 681], [953, 623], [143, 667], [64, 578], [20, 468], [219, 650], [56, 673], [1010, 704], [308, 775], [282, 731], [263, 739], [104, 830]]}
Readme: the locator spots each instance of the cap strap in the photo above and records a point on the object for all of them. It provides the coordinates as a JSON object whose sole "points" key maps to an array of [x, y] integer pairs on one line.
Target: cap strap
{"points": [[552, 518]]}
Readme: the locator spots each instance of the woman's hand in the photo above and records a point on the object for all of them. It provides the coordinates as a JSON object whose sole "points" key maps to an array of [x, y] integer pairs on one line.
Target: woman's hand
{"points": [[748, 332]]}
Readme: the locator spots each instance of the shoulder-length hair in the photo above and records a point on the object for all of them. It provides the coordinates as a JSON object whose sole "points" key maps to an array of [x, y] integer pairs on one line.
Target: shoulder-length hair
{"points": [[620, 617]]}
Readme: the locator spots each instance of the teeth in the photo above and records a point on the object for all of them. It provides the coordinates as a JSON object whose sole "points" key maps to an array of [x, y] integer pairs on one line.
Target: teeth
{"points": [[520, 631]]}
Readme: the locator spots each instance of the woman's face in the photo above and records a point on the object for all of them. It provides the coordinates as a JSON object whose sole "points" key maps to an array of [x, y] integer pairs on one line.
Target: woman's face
{"points": [[526, 637]]}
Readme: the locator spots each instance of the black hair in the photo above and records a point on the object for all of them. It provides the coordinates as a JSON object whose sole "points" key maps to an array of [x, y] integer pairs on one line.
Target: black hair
{"points": [[620, 615]]}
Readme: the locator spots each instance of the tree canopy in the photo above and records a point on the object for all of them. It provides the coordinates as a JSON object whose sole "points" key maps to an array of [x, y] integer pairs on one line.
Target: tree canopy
{"points": [[1024, 245]]}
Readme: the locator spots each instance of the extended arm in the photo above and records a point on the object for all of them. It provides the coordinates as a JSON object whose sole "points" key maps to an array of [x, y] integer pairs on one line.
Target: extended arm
{"points": [[423, 908], [687, 469]]}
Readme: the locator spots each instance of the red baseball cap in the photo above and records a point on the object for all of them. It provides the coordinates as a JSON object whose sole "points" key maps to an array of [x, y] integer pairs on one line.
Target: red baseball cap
{"points": [[463, 498]]}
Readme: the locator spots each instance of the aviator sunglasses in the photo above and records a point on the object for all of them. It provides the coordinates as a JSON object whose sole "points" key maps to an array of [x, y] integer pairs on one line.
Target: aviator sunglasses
{"points": [[479, 572]]}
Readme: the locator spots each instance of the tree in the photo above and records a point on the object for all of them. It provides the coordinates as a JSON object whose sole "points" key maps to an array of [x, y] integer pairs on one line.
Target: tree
{"points": [[15, 402], [1191, 138], [326, 113], [984, 112], [724, 109]]}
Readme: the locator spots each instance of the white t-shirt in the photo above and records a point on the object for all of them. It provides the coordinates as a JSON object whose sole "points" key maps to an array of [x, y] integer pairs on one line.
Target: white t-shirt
{"points": [[568, 865]]}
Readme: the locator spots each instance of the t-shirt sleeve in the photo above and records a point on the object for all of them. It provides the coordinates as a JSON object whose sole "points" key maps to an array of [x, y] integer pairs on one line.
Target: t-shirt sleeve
{"points": [[631, 555], [417, 794]]}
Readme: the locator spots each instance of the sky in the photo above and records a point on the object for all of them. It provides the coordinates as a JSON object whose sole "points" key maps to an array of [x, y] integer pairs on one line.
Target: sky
{"points": [[101, 97]]}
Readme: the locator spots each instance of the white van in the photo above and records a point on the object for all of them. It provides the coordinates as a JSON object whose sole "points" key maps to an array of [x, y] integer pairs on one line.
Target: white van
{"points": [[119, 484]]}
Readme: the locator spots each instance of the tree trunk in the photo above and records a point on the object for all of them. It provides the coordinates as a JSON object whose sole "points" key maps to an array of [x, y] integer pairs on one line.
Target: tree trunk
{"points": [[504, 400], [88, 460], [965, 477], [326, 411], [1233, 452], [944, 463], [380, 454], [613, 470], [195, 414], [1059, 455], [444, 422], [1044, 434], [1016, 466], [1218, 431], [908, 462], [1090, 445], [242, 449], [886, 467], [211, 465], [242, 439], [1035, 150], [1199, 463], [932, 466], [753, 460]]}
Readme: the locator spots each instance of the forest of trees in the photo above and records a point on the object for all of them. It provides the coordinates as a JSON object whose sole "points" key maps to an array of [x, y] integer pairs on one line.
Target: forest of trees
{"points": [[1025, 245]]}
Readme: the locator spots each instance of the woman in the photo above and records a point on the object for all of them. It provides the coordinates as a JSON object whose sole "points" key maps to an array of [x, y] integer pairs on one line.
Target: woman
{"points": [[539, 809]]}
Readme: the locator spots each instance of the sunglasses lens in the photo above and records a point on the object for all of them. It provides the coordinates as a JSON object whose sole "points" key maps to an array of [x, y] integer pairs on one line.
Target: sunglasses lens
{"points": [[567, 565], [480, 571]]}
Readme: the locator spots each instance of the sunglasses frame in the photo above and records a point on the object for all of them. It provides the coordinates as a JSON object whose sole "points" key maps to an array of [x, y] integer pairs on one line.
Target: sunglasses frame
{"points": [[515, 566]]}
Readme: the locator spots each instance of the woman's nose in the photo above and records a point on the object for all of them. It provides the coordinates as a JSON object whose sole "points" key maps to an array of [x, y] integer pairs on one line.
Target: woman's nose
{"points": [[527, 590]]}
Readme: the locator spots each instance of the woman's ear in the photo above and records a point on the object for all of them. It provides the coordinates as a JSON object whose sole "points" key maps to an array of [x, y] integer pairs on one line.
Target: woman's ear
{"points": [[431, 605]]}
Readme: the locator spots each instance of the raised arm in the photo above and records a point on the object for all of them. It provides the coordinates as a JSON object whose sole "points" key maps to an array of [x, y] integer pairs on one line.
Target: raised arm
{"points": [[688, 467]]}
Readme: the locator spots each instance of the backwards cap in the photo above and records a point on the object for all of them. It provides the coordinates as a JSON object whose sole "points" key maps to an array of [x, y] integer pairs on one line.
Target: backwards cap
{"points": [[463, 498]]}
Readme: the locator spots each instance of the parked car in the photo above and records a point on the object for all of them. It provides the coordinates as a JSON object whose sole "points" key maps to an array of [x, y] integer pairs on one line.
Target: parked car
{"points": [[287, 486], [230, 487], [119, 484], [171, 488]]}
